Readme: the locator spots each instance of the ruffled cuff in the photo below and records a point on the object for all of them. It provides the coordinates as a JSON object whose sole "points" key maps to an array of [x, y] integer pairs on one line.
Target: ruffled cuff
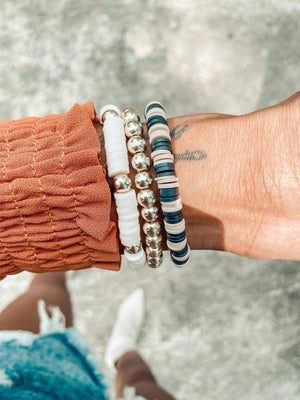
{"points": [[54, 200]]}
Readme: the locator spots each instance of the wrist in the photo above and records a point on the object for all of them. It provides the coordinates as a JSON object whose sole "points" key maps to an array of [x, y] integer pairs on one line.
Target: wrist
{"points": [[239, 182], [201, 151]]}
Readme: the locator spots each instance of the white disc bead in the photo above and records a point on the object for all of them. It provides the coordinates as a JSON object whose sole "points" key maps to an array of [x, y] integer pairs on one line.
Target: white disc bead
{"points": [[168, 185], [156, 111], [160, 127], [175, 228], [166, 179], [159, 134], [171, 209], [171, 206], [137, 260], [177, 246], [128, 218], [115, 146], [163, 159], [158, 152]]}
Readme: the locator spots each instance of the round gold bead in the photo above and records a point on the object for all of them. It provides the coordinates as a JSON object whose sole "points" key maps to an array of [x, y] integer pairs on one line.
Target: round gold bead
{"points": [[122, 183], [143, 180], [109, 114], [146, 198], [140, 162], [134, 249], [154, 241], [153, 252], [136, 144], [150, 214], [154, 262], [130, 114], [152, 228], [133, 128]]}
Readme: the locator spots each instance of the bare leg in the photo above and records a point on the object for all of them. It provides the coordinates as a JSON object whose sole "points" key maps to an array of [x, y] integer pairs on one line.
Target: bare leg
{"points": [[22, 313], [133, 371]]}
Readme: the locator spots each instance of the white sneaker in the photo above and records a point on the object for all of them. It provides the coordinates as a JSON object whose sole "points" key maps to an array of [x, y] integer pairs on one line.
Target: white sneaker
{"points": [[126, 328]]}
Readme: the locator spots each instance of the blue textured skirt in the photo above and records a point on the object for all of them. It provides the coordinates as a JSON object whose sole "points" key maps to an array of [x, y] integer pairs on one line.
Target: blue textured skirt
{"points": [[56, 364]]}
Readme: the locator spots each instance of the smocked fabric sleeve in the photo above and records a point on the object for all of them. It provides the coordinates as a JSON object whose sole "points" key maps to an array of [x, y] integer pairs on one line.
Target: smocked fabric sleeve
{"points": [[54, 199]]}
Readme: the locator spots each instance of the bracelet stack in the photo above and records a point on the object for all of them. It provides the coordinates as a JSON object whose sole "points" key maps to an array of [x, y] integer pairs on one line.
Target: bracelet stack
{"points": [[163, 161], [116, 127], [146, 198]]}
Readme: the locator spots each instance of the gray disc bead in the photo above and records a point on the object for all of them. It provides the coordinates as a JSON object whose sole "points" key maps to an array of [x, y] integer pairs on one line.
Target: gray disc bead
{"points": [[146, 198], [152, 228], [143, 180], [154, 241], [136, 144], [122, 183], [130, 114], [133, 128], [150, 214], [140, 162]]}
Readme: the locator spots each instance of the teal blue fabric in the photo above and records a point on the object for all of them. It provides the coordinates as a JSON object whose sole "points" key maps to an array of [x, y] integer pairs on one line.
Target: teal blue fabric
{"points": [[57, 366]]}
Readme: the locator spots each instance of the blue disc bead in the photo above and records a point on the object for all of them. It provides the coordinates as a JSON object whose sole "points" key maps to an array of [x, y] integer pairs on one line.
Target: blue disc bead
{"points": [[174, 214], [180, 253], [167, 173], [153, 105], [173, 218], [161, 144], [156, 119], [169, 192], [176, 237], [177, 262], [168, 199], [164, 167]]}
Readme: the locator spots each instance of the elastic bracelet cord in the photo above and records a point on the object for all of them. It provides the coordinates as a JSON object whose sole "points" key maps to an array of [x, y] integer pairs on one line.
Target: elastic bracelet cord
{"points": [[125, 197], [163, 161], [146, 198]]}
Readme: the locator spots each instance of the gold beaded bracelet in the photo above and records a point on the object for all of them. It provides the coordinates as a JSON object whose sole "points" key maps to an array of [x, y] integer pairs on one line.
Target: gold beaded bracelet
{"points": [[146, 198]]}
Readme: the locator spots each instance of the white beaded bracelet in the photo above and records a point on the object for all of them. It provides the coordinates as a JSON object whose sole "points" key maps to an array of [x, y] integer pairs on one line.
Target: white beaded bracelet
{"points": [[118, 168]]}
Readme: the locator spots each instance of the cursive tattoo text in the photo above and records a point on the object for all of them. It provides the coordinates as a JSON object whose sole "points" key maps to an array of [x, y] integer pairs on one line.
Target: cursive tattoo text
{"points": [[178, 131], [196, 155]]}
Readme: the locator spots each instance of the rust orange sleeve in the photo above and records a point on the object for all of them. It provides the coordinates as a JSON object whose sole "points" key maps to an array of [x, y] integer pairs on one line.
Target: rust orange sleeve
{"points": [[54, 199]]}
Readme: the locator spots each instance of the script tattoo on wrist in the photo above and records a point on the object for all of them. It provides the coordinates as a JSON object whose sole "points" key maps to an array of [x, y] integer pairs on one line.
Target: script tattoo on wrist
{"points": [[197, 155], [178, 131]]}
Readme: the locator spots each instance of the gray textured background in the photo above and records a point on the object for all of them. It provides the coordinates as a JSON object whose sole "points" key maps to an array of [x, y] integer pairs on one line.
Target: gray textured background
{"points": [[226, 327]]}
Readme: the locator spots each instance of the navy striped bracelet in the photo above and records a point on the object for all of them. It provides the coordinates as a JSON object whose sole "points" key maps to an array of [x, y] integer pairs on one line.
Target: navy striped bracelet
{"points": [[163, 161]]}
